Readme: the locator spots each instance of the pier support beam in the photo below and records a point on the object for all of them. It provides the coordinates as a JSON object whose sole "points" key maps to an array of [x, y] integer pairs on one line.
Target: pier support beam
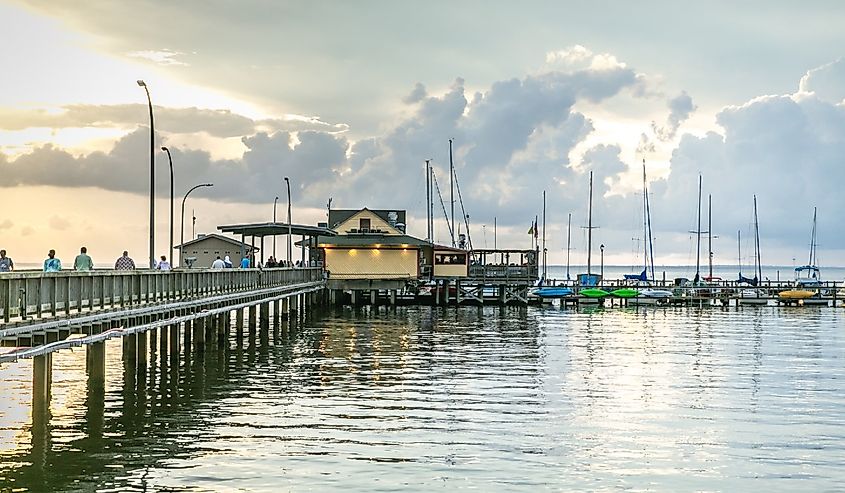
{"points": [[239, 326], [189, 337], [42, 376], [199, 335], [174, 341], [95, 357], [142, 350]]}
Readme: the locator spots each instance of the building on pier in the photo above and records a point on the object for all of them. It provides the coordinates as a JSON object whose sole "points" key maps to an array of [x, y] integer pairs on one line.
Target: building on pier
{"points": [[199, 253]]}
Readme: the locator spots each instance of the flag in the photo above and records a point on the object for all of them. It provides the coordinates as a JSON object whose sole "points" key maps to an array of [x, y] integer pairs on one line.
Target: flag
{"points": [[531, 230], [536, 231]]}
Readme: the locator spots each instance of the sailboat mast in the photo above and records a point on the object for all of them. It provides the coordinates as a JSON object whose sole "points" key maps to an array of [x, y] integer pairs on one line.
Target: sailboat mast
{"points": [[428, 199], [544, 234], [452, 189], [710, 234], [568, 239], [698, 236], [757, 242], [645, 223], [739, 251], [813, 241], [590, 227], [650, 233]]}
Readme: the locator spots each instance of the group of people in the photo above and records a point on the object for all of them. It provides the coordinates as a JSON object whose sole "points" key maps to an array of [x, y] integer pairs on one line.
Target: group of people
{"points": [[82, 262]]}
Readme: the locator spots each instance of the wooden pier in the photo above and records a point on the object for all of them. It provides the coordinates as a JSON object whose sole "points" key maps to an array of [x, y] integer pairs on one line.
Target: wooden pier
{"points": [[173, 312]]}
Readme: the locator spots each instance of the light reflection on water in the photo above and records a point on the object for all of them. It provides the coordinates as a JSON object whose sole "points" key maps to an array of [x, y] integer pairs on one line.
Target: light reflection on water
{"points": [[417, 398]]}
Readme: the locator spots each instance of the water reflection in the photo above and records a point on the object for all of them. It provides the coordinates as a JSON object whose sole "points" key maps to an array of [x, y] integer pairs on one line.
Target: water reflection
{"points": [[414, 398]]}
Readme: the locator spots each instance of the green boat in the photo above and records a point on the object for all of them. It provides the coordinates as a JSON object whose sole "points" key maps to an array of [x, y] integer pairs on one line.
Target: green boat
{"points": [[625, 293], [593, 293]]}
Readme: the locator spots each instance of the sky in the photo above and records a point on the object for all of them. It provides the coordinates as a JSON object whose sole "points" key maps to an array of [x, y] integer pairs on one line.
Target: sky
{"points": [[349, 99]]}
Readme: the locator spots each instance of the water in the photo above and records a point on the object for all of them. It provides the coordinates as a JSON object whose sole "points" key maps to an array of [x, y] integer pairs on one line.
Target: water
{"points": [[493, 399]]}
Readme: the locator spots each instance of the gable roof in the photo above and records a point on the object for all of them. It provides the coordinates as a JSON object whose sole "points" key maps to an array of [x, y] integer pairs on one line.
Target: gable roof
{"points": [[209, 236], [339, 216]]}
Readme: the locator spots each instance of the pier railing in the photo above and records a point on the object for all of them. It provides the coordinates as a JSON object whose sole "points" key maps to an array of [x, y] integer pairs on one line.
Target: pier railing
{"points": [[494, 273], [37, 295]]}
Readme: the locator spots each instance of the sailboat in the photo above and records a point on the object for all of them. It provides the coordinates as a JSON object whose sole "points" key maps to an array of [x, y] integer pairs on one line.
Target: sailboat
{"points": [[551, 292], [752, 296], [648, 251], [590, 280], [809, 286]]}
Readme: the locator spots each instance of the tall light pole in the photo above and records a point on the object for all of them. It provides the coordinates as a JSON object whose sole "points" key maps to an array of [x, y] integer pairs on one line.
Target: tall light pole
{"points": [[182, 224], [274, 225], [152, 177], [170, 160], [601, 272], [290, 228]]}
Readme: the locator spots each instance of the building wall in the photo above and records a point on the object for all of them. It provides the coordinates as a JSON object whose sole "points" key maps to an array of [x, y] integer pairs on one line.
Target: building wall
{"points": [[207, 250], [375, 223], [372, 263], [450, 270]]}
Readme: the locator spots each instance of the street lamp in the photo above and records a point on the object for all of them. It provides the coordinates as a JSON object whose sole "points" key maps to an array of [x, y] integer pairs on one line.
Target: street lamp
{"points": [[274, 226], [182, 224], [601, 272], [152, 177], [290, 228], [170, 160]]}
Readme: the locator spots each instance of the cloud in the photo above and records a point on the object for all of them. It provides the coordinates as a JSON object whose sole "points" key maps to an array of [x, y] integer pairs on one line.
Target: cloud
{"points": [[218, 123], [7, 224], [511, 141], [417, 94], [161, 57], [785, 149], [680, 108], [826, 82], [58, 223]]}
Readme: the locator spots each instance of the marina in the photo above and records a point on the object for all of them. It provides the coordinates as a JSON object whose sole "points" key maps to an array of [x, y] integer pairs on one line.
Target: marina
{"points": [[522, 399]]}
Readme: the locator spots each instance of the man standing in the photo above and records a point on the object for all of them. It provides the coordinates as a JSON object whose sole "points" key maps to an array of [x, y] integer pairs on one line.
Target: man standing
{"points": [[51, 263], [6, 264], [164, 265], [125, 262], [218, 264], [83, 262], [245, 263]]}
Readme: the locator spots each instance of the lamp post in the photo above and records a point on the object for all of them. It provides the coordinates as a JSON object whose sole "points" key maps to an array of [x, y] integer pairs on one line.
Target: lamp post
{"points": [[152, 177], [182, 224], [170, 160], [274, 226], [290, 228], [601, 272]]}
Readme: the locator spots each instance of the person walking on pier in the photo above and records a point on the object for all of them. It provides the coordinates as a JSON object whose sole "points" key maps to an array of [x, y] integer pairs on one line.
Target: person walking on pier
{"points": [[83, 262], [125, 262], [164, 265], [218, 264], [227, 262], [6, 263], [245, 263], [51, 263]]}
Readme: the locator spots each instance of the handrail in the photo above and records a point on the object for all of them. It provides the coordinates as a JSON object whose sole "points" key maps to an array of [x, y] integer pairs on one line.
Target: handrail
{"points": [[39, 295]]}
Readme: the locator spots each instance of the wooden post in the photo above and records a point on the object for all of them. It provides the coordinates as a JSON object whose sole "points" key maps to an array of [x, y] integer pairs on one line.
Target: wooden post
{"points": [[239, 325], [42, 369], [174, 341], [96, 357], [199, 335]]}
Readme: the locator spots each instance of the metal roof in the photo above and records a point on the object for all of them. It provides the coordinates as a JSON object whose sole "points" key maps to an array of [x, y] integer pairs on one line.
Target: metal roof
{"points": [[202, 238], [276, 229]]}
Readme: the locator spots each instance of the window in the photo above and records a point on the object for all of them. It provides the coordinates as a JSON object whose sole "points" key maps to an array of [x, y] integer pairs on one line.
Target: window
{"points": [[450, 259], [364, 223]]}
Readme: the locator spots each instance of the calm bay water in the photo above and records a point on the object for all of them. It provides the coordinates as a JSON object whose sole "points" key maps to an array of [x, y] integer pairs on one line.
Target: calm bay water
{"points": [[419, 398]]}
